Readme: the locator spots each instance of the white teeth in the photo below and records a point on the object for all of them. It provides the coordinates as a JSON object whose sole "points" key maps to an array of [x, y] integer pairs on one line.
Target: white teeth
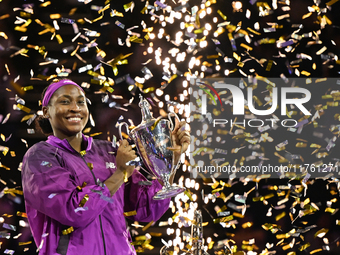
{"points": [[74, 119]]}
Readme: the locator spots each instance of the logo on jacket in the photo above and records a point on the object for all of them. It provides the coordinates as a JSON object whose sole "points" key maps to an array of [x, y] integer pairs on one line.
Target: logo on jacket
{"points": [[110, 165]]}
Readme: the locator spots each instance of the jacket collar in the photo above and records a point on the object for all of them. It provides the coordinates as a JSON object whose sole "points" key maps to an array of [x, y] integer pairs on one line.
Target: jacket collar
{"points": [[65, 145]]}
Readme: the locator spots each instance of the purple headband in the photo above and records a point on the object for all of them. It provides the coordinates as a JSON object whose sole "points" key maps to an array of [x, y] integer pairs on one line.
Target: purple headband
{"points": [[54, 86]]}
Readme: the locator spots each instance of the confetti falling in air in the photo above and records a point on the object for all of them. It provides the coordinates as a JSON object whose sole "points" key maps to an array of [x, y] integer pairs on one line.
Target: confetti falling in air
{"points": [[116, 51]]}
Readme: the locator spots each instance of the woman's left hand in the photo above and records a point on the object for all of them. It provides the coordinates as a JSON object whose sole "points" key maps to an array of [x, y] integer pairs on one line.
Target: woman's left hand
{"points": [[180, 139]]}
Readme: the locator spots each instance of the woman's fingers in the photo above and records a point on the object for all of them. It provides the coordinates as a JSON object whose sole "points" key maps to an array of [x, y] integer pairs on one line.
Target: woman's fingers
{"points": [[180, 136], [181, 127], [125, 147], [185, 139], [177, 125], [183, 134], [125, 153]]}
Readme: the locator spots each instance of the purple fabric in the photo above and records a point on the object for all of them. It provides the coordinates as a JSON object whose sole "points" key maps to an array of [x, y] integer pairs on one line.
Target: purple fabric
{"points": [[51, 173], [54, 86]]}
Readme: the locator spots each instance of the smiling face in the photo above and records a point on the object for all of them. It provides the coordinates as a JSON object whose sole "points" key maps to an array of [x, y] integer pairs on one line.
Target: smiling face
{"points": [[67, 112]]}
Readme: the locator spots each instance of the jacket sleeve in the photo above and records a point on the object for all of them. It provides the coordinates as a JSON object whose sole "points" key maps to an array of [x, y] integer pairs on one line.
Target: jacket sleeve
{"points": [[51, 189], [139, 198]]}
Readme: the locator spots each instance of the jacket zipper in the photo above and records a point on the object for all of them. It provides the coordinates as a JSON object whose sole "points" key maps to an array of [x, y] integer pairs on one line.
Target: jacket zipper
{"points": [[100, 218]]}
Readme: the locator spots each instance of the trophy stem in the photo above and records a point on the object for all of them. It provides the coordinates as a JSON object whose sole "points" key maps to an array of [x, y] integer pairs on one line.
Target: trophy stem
{"points": [[167, 190], [165, 179]]}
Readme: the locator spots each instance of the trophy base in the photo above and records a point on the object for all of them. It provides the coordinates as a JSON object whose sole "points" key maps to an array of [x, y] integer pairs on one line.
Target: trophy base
{"points": [[168, 192]]}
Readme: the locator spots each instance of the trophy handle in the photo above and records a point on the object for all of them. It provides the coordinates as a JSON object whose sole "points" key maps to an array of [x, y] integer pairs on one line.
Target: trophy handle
{"points": [[120, 129], [172, 126]]}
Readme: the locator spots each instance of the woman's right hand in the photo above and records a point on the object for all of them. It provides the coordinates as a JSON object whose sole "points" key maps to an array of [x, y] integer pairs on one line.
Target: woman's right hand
{"points": [[125, 153]]}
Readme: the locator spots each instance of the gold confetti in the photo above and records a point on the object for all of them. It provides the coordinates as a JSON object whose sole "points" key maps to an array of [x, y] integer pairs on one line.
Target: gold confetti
{"points": [[283, 236], [131, 213], [20, 29], [172, 78], [224, 219], [330, 210], [331, 2], [239, 215], [321, 233], [27, 88], [301, 145], [99, 133], [84, 200], [23, 108], [247, 47], [107, 6], [59, 39], [147, 226], [303, 247], [3, 34], [128, 6], [315, 251], [187, 192], [307, 15], [116, 13], [45, 4], [90, 165], [148, 90], [27, 117], [55, 16], [280, 216], [222, 15], [67, 231], [247, 225], [13, 191], [237, 57], [24, 243], [5, 16], [305, 73]]}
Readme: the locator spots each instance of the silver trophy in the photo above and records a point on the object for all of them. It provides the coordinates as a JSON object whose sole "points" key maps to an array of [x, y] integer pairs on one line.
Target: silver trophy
{"points": [[154, 136]]}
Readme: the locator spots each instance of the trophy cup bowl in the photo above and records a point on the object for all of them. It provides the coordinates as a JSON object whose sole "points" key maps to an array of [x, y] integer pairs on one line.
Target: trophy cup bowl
{"points": [[153, 140]]}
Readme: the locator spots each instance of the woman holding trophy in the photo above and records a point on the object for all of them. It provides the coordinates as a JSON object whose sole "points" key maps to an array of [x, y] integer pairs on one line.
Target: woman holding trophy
{"points": [[78, 190]]}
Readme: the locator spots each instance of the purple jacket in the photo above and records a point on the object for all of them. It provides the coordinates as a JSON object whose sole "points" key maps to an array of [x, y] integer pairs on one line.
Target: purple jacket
{"points": [[62, 192]]}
